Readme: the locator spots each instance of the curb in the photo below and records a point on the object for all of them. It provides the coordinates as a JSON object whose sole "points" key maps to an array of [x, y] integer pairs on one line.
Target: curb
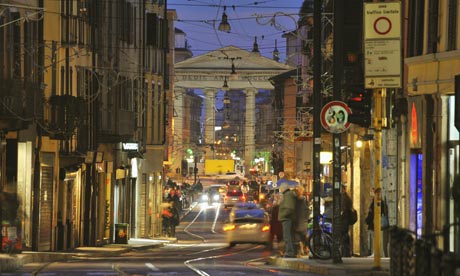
{"points": [[304, 266]]}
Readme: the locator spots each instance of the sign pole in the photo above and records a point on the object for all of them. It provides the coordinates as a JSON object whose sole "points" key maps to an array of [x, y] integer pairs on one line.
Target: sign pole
{"points": [[337, 224], [378, 95]]}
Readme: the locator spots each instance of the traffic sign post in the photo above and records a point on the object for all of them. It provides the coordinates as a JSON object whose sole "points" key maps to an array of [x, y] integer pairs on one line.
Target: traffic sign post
{"points": [[382, 45], [334, 117]]}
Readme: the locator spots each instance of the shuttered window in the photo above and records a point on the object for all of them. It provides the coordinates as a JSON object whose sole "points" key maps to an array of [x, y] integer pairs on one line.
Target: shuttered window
{"points": [[415, 28]]}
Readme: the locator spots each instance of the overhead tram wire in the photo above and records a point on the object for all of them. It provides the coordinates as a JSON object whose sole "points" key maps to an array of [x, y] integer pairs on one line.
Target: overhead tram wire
{"points": [[255, 4], [236, 6], [206, 21]]}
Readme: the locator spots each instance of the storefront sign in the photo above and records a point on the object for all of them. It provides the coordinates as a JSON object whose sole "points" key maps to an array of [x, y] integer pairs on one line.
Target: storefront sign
{"points": [[130, 146]]}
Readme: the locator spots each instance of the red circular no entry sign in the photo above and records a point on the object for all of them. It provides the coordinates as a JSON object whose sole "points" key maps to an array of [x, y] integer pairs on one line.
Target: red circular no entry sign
{"points": [[382, 25]]}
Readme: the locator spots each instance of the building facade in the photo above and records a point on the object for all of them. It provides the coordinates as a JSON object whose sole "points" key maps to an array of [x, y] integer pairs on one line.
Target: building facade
{"points": [[93, 145], [428, 134]]}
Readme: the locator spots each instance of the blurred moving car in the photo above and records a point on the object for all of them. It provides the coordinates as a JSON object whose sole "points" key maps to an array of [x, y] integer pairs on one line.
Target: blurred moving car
{"points": [[204, 197], [214, 194], [248, 225], [232, 197], [219, 188]]}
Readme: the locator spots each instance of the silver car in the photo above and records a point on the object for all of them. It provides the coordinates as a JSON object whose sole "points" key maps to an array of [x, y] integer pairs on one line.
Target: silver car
{"points": [[232, 197], [248, 226]]}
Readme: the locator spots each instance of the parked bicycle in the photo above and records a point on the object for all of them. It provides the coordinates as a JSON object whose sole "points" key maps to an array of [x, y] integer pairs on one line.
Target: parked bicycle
{"points": [[320, 240]]}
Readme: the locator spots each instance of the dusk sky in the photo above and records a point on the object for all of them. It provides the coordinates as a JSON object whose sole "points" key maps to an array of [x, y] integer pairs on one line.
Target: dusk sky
{"points": [[200, 19]]}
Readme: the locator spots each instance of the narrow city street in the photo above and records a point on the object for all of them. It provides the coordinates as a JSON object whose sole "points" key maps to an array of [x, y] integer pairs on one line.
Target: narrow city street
{"points": [[200, 250]]}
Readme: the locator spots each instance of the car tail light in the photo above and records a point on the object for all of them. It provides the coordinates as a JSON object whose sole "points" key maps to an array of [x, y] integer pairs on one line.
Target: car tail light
{"points": [[265, 228], [243, 198], [229, 227]]}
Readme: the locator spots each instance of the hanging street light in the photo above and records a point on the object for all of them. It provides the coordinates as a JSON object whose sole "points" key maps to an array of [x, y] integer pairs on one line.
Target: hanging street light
{"points": [[224, 26]]}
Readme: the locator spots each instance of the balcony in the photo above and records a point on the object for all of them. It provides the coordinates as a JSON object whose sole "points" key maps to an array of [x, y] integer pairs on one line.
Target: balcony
{"points": [[67, 114], [20, 104]]}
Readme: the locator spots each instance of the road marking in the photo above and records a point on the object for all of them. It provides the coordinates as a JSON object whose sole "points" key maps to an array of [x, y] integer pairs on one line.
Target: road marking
{"points": [[152, 267]]}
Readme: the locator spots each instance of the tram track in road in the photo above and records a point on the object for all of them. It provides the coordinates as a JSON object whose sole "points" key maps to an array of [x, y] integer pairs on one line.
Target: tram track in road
{"points": [[200, 251], [200, 212]]}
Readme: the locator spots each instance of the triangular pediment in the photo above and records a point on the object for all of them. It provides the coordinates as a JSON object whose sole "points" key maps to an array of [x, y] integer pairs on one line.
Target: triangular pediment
{"points": [[221, 59]]}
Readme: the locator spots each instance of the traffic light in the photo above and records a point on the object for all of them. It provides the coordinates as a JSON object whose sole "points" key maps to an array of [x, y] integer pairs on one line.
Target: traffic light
{"points": [[184, 167], [361, 109]]}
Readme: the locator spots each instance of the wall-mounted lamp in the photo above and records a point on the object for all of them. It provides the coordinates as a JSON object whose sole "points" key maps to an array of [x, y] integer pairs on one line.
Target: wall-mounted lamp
{"points": [[414, 84], [224, 26], [361, 139]]}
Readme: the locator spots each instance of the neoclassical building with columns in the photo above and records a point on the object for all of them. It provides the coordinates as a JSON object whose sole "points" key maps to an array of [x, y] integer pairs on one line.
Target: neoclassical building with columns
{"points": [[240, 70]]}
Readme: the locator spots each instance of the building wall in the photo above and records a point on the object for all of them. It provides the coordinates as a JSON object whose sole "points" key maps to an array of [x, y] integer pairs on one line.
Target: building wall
{"points": [[431, 67], [290, 123]]}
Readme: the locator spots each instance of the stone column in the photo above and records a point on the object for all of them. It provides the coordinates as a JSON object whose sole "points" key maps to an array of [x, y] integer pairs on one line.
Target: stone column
{"points": [[250, 127], [209, 119]]}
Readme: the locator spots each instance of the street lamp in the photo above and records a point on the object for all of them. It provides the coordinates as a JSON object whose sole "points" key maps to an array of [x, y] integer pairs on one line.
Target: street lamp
{"points": [[224, 26]]}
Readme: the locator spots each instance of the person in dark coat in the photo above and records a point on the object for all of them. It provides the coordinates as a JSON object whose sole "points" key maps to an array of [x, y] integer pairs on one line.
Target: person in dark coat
{"points": [[301, 221], [276, 229], [174, 220], [286, 215], [370, 224], [347, 207], [166, 216]]}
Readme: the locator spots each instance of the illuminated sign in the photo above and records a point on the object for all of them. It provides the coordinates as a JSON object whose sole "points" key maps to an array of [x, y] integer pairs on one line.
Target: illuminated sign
{"points": [[130, 146]]}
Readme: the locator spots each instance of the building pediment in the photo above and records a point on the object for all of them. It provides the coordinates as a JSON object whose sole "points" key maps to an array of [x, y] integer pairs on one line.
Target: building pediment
{"points": [[210, 69]]}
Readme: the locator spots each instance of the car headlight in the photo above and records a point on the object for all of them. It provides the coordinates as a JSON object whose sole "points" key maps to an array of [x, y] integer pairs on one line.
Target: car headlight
{"points": [[204, 197], [215, 197]]}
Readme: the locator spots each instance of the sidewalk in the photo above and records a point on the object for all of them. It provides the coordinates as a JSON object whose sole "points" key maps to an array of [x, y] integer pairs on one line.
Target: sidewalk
{"points": [[15, 261], [354, 266]]}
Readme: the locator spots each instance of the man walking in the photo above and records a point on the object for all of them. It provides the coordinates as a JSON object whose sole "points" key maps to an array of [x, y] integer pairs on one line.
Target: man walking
{"points": [[286, 215]]}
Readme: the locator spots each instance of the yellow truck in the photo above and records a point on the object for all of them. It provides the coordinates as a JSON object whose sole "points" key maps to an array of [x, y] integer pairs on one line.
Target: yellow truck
{"points": [[218, 167]]}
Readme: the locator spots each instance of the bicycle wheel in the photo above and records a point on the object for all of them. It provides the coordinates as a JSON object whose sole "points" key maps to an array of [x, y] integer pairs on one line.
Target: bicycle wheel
{"points": [[320, 245]]}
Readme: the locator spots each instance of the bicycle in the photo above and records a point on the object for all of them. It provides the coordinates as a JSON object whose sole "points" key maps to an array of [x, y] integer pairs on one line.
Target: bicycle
{"points": [[320, 240]]}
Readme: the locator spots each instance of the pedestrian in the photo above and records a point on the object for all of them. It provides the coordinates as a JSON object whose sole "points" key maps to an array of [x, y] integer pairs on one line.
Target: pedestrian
{"points": [[384, 225], [174, 220], [174, 195], [286, 215], [276, 228], [245, 189], [301, 221], [348, 217], [199, 187], [166, 215]]}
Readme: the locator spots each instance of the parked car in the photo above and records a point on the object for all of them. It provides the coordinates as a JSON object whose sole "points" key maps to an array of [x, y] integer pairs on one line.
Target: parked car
{"points": [[248, 226], [232, 197]]}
